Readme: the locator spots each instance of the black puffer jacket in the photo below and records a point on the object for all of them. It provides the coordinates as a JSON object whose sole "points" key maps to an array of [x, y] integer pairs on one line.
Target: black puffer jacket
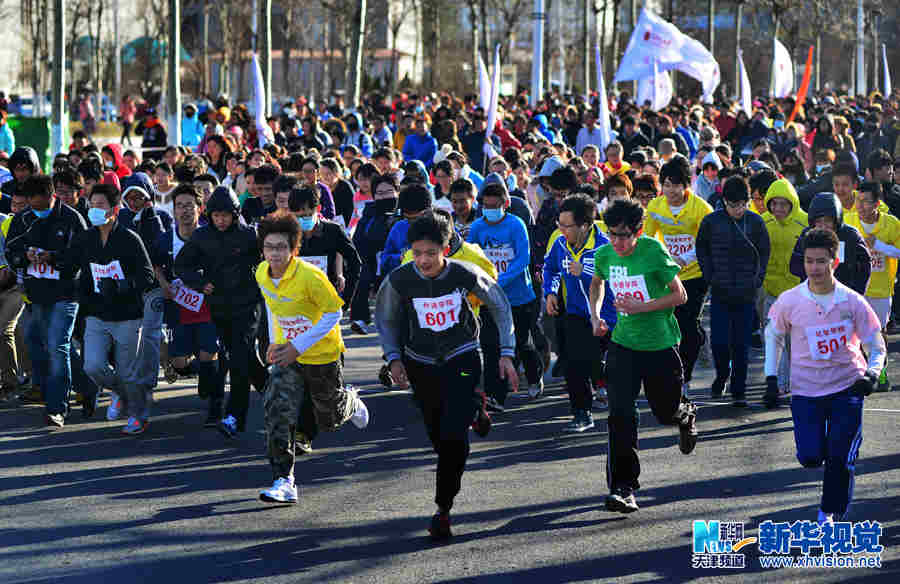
{"points": [[856, 263], [733, 255], [226, 259], [21, 155]]}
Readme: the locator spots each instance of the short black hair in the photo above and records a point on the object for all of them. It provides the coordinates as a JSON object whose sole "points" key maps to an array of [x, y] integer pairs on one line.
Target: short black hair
{"points": [[845, 169], [279, 222], [627, 212], [582, 208], [265, 174], [164, 166], [414, 198], [207, 178], [431, 227], [190, 190], [821, 238], [367, 170], [303, 197], [677, 170], [878, 159], [284, 183], [110, 192], [68, 176], [388, 178], [873, 187], [463, 185], [564, 179], [736, 189], [762, 180], [38, 185]]}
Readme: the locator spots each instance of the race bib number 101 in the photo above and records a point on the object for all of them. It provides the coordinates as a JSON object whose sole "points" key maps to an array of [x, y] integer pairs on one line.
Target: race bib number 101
{"points": [[438, 314], [43, 271]]}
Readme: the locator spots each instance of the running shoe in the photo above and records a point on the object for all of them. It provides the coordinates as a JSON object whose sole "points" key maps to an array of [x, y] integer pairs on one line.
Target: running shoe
{"points": [[282, 491], [302, 445], [212, 420], [559, 368], [359, 327], [494, 406], [360, 417], [88, 406], [687, 431], [536, 390], [33, 395], [440, 527], [170, 374], [718, 387], [384, 376], [134, 426], [114, 410], [583, 420], [482, 422], [739, 402], [56, 420], [622, 500], [228, 427]]}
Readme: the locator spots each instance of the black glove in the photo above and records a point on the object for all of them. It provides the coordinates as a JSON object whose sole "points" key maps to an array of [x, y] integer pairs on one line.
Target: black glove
{"points": [[864, 385], [770, 399]]}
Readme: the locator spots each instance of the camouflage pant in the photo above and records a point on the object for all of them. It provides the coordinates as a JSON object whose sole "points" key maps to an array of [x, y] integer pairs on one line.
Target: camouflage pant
{"points": [[333, 405]]}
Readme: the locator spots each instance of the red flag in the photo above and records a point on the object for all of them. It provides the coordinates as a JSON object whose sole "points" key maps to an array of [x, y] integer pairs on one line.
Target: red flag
{"points": [[804, 87]]}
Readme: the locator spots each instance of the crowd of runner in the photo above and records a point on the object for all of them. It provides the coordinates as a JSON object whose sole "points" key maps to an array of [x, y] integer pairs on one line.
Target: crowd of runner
{"points": [[476, 254]]}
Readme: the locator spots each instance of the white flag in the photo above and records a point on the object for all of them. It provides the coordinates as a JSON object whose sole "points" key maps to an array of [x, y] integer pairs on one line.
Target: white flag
{"points": [[746, 102], [495, 97], [484, 85], [657, 90], [602, 104], [652, 38], [782, 71], [887, 73], [263, 131]]}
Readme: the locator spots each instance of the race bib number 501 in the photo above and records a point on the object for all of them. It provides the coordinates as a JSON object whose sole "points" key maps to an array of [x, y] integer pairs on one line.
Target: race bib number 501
{"points": [[438, 314], [826, 340]]}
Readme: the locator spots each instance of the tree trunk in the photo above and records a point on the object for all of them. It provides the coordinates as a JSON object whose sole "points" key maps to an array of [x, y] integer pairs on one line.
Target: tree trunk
{"points": [[205, 50], [354, 90], [615, 36], [474, 41]]}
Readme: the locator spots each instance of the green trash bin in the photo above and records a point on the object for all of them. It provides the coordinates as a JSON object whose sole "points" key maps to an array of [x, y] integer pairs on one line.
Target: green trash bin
{"points": [[35, 132]]}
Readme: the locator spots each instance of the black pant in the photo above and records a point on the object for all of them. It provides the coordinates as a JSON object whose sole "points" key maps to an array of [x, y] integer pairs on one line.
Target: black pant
{"points": [[688, 317], [446, 395], [126, 133], [359, 307], [660, 372], [585, 352], [237, 331], [524, 318], [489, 337]]}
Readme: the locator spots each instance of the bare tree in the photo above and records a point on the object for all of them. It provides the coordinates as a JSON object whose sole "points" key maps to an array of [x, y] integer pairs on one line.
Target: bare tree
{"points": [[396, 17], [35, 15], [510, 14]]}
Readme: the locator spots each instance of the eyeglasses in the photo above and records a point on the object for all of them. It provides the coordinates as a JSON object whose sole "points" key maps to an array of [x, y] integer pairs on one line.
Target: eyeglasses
{"points": [[614, 235], [280, 248]]}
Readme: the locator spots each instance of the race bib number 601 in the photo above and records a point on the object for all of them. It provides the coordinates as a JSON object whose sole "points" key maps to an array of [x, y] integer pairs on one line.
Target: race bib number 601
{"points": [[438, 314]]}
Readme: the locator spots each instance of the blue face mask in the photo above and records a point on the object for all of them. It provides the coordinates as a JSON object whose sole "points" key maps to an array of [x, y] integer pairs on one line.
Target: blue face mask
{"points": [[778, 124], [96, 216], [493, 215], [42, 214], [307, 223]]}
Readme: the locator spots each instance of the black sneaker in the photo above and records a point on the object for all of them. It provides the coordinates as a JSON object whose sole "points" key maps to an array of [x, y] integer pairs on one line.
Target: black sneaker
{"points": [[718, 387], [492, 405], [482, 422], [739, 402], [582, 421], [622, 500], [440, 527], [384, 376], [770, 400], [559, 368], [302, 445], [359, 327], [687, 432], [88, 406], [212, 420], [56, 420]]}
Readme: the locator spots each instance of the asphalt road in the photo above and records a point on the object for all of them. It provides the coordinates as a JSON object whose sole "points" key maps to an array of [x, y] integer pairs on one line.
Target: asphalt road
{"points": [[179, 503]]}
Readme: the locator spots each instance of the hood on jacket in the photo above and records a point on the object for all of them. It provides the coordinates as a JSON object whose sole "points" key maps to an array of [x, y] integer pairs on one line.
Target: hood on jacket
{"points": [[115, 150], [782, 188], [359, 122], [141, 179], [711, 158], [826, 205], [223, 200], [25, 155], [550, 165], [542, 121]]}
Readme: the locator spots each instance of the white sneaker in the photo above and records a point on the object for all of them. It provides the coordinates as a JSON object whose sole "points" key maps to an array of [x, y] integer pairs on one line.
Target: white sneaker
{"points": [[282, 491], [114, 410], [360, 417], [824, 518], [537, 390]]}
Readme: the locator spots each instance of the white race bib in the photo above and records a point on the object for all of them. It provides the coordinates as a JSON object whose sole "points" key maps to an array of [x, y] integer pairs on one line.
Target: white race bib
{"points": [[186, 297], [680, 244], [877, 261], [841, 247], [111, 270], [293, 326], [438, 314], [320, 262], [43, 271], [501, 257], [828, 339], [630, 287]]}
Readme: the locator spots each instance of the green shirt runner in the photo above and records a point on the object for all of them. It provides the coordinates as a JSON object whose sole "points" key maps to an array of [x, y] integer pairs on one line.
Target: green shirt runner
{"points": [[645, 274]]}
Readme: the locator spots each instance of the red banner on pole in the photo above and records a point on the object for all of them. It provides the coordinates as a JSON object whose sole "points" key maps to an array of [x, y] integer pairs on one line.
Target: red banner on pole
{"points": [[804, 87]]}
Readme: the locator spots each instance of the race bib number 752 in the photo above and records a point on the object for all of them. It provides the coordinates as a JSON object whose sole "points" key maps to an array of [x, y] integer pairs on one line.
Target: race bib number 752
{"points": [[438, 314]]}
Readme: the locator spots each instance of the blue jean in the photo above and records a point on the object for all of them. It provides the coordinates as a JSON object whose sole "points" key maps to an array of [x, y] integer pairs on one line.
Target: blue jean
{"points": [[49, 339], [731, 327], [828, 430]]}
